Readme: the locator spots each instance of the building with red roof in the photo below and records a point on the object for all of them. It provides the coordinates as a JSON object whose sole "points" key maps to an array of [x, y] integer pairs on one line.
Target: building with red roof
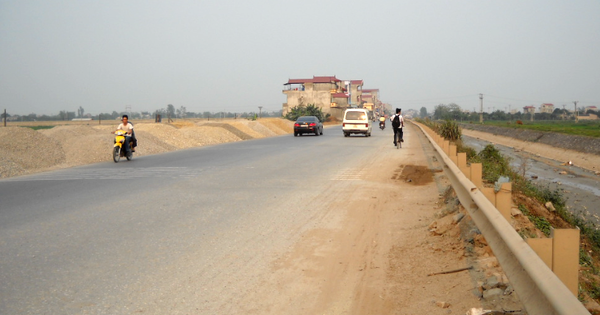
{"points": [[547, 108], [329, 93], [529, 109]]}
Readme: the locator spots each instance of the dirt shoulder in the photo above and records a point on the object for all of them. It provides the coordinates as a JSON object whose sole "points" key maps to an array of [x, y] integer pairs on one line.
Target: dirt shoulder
{"points": [[388, 233]]}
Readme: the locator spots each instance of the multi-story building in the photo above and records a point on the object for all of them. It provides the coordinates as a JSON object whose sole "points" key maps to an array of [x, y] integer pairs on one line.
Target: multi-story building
{"points": [[588, 108], [329, 93], [547, 108], [529, 109]]}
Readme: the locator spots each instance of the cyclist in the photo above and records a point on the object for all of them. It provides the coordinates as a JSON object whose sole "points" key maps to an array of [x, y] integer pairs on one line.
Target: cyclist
{"points": [[397, 124]]}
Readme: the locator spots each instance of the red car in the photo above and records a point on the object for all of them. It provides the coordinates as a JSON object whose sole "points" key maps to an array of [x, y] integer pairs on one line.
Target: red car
{"points": [[308, 124]]}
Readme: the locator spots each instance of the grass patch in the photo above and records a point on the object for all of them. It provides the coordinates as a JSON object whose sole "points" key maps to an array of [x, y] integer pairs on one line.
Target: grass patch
{"points": [[540, 223], [581, 128]]}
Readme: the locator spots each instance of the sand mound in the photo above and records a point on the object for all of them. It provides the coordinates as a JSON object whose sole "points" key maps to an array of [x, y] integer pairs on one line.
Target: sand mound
{"points": [[71, 145]]}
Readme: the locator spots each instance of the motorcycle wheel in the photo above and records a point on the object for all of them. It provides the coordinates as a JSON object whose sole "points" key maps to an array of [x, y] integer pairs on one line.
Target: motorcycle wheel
{"points": [[129, 155], [116, 154]]}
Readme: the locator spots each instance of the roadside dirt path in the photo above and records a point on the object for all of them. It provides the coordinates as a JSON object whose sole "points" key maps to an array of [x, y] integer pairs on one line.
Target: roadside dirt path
{"points": [[375, 255]]}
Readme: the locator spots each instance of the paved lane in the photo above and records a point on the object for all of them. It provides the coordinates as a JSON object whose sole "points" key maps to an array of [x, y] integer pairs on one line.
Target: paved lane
{"points": [[128, 237]]}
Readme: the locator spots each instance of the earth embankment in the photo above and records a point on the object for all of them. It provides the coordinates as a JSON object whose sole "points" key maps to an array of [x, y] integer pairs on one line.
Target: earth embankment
{"points": [[570, 142], [24, 150], [582, 151]]}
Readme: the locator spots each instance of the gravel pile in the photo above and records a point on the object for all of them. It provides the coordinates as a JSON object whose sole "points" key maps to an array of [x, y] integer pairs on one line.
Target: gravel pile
{"points": [[25, 151]]}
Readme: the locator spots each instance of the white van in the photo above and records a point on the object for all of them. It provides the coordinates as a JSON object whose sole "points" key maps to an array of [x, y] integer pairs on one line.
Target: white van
{"points": [[356, 120]]}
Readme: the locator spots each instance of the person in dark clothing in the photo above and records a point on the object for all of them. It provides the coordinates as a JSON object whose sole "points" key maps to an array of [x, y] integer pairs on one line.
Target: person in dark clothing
{"points": [[397, 124]]}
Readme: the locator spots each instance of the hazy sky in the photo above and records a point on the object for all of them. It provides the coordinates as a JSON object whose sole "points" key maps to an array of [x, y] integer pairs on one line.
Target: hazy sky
{"points": [[236, 55]]}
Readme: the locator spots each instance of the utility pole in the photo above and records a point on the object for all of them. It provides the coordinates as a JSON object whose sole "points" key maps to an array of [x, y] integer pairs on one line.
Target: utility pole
{"points": [[563, 112], [259, 111], [481, 109], [5, 117], [576, 116]]}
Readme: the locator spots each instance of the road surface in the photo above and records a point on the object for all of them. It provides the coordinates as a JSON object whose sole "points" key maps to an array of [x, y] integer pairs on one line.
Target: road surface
{"points": [[282, 225]]}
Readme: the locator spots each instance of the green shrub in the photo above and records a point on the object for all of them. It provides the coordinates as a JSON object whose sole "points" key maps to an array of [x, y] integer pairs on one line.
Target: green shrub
{"points": [[309, 110], [494, 164], [450, 130]]}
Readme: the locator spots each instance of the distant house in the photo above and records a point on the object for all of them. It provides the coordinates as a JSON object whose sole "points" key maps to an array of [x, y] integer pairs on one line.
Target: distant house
{"points": [[547, 108], [379, 108], [529, 109], [329, 93], [589, 108]]}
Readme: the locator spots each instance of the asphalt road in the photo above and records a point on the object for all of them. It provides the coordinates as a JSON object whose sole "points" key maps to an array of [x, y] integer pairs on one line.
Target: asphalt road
{"points": [[128, 237]]}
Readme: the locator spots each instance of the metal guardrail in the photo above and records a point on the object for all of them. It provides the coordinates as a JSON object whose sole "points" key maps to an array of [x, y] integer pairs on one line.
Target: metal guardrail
{"points": [[538, 288]]}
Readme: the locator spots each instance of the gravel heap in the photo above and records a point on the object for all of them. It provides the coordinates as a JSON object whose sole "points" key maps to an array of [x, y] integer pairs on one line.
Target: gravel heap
{"points": [[26, 151]]}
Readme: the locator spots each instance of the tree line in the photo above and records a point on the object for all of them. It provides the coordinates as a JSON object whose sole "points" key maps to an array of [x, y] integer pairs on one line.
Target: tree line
{"points": [[455, 112], [168, 112]]}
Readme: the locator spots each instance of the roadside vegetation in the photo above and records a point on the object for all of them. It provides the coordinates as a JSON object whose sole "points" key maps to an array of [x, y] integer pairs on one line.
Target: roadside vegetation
{"points": [[560, 120], [308, 110], [495, 165], [590, 128]]}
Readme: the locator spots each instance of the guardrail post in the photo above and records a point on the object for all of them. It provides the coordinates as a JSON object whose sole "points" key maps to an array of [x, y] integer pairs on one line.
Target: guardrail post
{"points": [[476, 174], [490, 194], [565, 257], [452, 154], [445, 146], [543, 248], [462, 164], [503, 200], [452, 150]]}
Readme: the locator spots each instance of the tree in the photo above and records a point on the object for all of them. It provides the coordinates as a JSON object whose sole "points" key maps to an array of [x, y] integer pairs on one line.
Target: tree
{"points": [[181, 112], [309, 110], [170, 111], [80, 112], [423, 113]]}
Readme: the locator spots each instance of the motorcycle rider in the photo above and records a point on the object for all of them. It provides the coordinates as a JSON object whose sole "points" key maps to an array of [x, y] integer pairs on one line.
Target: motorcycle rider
{"points": [[382, 122], [129, 135]]}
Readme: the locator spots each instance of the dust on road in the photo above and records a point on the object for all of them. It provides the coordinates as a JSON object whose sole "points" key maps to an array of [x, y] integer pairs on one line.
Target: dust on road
{"points": [[373, 249]]}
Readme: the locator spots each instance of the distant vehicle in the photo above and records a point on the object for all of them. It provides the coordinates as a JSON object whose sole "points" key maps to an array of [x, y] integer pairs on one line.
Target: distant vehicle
{"points": [[308, 124], [356, 120]]}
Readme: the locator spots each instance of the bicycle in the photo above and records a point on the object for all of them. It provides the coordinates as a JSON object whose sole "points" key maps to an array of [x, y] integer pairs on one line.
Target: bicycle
{"points": [[399, 138], [398, 141]]}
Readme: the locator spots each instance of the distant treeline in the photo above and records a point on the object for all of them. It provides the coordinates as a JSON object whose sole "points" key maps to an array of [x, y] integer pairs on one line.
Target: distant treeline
{"points": [[164, 113], [454, 112]]}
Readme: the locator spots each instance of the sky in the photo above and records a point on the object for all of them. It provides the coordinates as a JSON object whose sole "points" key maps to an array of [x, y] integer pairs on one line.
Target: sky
{"points": [[235, 56]]}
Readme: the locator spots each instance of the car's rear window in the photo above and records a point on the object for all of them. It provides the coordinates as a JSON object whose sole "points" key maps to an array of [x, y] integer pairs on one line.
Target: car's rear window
{"points": [[307, 119], [356, 115]]}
